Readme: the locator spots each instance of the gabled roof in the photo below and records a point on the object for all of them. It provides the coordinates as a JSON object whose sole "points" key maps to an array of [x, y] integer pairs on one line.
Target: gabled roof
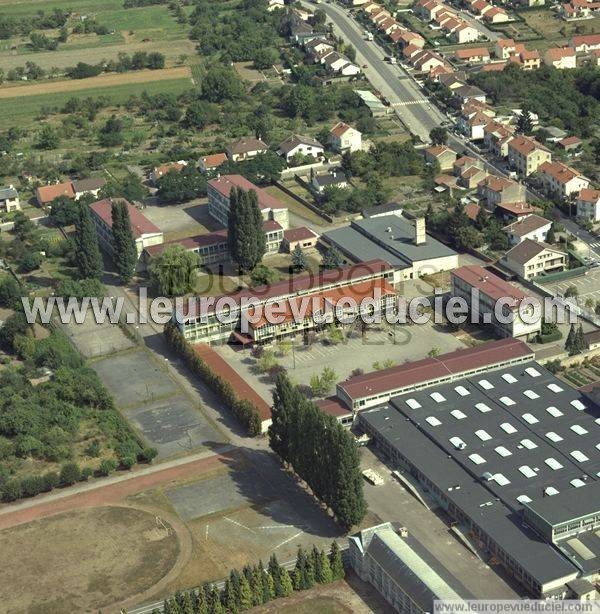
{"points": [[524, 145], [302, 233], [559, 171], [496, 183], [88, 185], [47, 193], [526, 225], [294, 140], [489, 284], [225, 183], [588, 195], [246, 145], [557, 53], [214, 160], [528, 249], [8, 192], [463, 54], [140, 224], [340, 129]]}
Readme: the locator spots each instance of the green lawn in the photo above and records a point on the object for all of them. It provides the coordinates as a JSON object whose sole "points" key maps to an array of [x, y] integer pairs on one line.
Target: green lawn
{"points": [[20, 8], [25, 109], [154, 22]]}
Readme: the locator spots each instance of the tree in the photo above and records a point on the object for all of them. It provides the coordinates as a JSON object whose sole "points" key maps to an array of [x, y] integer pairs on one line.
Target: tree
{"points": [[174, 271], [285, 582], [180, 186], [10, 292], [323, 573], [262, 276], [571, 341], [550, 236], [524, 122], [298, 259], [230, 597], [332, 259], [23, 227], [30, 261], [221, 84], [580, 340], [336, 563], [438, 135], [571, 292], [246, 237], [69, 474], [245, 597], [15, 325], [265, 58], [47, 138], [125, 252], [64, 211], [87, 252]]}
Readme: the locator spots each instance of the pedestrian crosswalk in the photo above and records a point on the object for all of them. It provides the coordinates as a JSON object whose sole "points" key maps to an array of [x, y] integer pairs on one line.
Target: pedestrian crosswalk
{"points": [[405, 103], [595, 245]]}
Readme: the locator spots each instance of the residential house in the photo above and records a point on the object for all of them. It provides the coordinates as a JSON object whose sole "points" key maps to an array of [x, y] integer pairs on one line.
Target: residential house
{"points": [[160, 171], [561, 181], [496, 137], [531, 258], [441, 154], [344, 138], [465, 162], [144, 231], [333, 179], [300, 145], [428, 9], [530, 3], [570, 143], [471, 176], [561, 58], [476, 55], [588, 205], [219, 190], [303, 237], [317, 48], [585, 42], [47, 193], [337, 63], [91, 185], [526, 155], [532, 227], [529, 60], [425, 60], [9, 199], [464, 33], [496, 15], [411, 38], [504, 48], [465, 93], [210, 163], [246, 149], [514, 211], [275, 4], [497, 190], [472, 125]]}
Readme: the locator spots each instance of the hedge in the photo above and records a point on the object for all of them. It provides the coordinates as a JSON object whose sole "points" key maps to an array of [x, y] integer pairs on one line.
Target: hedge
{"points": [[549, 337], [244, 410]]}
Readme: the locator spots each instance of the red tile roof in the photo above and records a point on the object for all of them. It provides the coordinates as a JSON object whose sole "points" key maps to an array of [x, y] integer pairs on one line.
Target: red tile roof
{"points": [[226, 183], [140, 225], [294, 285], [527, 224], [241, 388], [214, 160], [334, 407], [428, 369], [589, 195], [47, 193], [489, 284], [299, 234]]}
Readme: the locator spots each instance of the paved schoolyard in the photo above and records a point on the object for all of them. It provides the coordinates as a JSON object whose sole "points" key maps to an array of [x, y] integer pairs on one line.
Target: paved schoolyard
{"points": [[399, 344], [588, 286], [178, 221]]}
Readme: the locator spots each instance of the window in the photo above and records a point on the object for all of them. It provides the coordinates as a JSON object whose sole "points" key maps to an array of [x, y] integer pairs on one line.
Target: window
{"points": [[485, 384], [507, 427], [433, 421], [413, 403], [462, 391], [501, 479], [530, 394], [578, 405], [477, 459], [511, 379], [576, 428], [577, 483], [527, 471], [579, 456], [483, 408], [552, 436], [553, 464], [554, 387], [551, 491], [527, 443], [532, 372], [530, 418], [483, 435], [502, 451], [523, 499], [437, 397], [459, 415], [555, 412], [507, 401]]}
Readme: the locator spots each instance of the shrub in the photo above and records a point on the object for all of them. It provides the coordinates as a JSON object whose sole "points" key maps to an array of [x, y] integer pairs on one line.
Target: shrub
{"points": [[107, 466], [69, 474]]}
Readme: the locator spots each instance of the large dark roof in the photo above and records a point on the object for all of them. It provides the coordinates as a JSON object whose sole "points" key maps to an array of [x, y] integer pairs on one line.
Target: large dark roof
{"points": [[564, 506]]}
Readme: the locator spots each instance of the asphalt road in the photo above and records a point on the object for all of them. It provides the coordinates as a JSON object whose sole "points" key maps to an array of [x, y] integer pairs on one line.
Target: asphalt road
{"points": [[405, 96]]}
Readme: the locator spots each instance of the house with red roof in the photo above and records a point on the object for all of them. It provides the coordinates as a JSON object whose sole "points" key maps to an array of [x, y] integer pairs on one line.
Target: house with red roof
{"points": [[588, 205]]}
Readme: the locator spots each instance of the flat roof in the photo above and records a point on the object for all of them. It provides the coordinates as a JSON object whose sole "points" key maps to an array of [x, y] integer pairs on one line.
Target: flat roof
{"points": [[420, 371], [565, 506], [225, 183], [390, 237], [505, 437]]}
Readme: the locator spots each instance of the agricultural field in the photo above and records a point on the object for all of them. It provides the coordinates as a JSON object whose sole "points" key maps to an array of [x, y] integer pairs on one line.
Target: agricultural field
{"points": [[29, 107], [583, 374]]}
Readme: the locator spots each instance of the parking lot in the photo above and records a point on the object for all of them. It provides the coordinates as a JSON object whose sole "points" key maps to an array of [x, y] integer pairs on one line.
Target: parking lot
{"points": [[588, 286]]}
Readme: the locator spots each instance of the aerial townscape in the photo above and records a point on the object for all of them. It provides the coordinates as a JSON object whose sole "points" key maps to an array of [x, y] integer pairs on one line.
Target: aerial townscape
{"points": [[299, 306]]}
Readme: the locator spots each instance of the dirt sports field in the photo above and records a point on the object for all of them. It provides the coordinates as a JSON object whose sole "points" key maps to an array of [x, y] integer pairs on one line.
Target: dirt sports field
{"points": [[94, 558], [108, 80]]}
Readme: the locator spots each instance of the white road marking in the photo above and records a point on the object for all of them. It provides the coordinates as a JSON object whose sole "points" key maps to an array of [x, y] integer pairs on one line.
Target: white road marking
{"points": [[239, 524], [289, 539]]}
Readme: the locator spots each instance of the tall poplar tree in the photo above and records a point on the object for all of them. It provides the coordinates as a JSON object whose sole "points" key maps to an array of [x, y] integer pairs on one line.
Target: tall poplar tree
{"points": [[246, 238], [124, 249], [87, 251]]}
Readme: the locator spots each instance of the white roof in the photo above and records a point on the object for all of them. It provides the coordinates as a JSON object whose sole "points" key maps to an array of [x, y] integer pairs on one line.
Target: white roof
{"points": [[477, 459], [552, 436], [413, 403], [462, 391], [554, 411], [527, 471], [459, 415], [577, 428], [483, 408], [433, 421], [507, 427], [530, 418], [502, 451], [485, 384]]}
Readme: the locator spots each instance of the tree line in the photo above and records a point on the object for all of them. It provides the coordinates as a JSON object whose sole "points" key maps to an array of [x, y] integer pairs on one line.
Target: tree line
{"points": [[319, 450], [13, 26], [242, 409], [124, 63], [256, 585]]}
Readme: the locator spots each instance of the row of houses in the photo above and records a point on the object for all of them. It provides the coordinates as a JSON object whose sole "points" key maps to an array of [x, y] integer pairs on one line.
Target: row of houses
{"points": [[487, 11], [578, 9], [74, 189], [443, 17]]}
